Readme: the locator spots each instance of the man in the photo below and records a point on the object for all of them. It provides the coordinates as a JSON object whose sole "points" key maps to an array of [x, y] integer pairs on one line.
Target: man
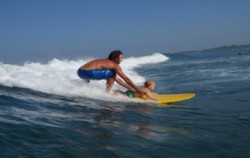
{"points": [[108, 69]]}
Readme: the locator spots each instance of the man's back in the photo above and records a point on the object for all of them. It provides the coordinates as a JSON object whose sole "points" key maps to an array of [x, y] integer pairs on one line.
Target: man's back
{"points": [[100, 64]]}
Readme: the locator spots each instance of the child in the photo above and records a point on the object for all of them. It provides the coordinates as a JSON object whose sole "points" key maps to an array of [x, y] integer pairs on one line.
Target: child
{"points": [[148, 87]]}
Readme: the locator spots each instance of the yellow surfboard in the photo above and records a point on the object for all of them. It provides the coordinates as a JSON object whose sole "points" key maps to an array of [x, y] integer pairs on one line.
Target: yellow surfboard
{"points": [[169, 98]]}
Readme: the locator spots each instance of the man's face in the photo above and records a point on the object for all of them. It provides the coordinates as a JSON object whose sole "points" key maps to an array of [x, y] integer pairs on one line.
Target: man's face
{"points": [[119, 59]]}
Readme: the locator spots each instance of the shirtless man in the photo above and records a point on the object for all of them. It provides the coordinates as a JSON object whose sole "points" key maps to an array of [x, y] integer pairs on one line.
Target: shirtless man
{"points": [[107, 69]]}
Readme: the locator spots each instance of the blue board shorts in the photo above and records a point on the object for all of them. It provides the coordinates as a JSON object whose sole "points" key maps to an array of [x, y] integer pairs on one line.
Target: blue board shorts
{"points": [[96, 74]]}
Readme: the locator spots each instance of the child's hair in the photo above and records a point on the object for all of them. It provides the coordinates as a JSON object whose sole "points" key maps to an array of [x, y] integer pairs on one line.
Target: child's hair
{"points": [[148, 83]]}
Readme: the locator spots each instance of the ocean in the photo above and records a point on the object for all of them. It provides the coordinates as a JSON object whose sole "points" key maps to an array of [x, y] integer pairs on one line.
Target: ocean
{"points": [[47, 111]]}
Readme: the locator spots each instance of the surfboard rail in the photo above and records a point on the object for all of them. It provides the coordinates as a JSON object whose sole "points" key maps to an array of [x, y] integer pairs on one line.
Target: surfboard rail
{"points": [[170, 98]]}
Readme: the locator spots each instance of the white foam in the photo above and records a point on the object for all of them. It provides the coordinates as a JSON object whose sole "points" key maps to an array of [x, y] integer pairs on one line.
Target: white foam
{"points": [[60, 77]]}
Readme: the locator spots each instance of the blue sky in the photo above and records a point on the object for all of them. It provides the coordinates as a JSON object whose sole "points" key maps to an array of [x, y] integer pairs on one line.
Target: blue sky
{"points": [[40, 30]]}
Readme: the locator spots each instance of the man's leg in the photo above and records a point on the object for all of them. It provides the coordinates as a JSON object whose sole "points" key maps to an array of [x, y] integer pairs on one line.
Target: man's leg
{"points": [[87, 81], [109, 84]]}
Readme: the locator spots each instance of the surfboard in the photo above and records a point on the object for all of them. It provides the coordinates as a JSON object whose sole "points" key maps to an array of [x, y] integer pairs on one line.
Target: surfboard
{"points": [[169, 98]]}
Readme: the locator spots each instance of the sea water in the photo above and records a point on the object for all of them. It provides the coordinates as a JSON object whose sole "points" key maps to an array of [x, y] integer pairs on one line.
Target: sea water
{"points": [[47, 111]]}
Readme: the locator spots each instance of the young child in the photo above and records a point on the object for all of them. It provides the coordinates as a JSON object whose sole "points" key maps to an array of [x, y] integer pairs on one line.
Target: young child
{"points": [[149, 85]]}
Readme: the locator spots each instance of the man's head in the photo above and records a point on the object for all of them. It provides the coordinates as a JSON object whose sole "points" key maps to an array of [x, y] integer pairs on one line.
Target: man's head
{"points": [[116, 56]]}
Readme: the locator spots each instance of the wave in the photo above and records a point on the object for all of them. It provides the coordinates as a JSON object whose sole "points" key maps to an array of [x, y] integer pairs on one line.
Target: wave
{"points": [[59, 76]]}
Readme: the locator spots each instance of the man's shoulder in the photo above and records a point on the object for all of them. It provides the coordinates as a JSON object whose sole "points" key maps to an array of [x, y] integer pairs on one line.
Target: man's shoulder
{"points": [[109, 61], [106, 63]]}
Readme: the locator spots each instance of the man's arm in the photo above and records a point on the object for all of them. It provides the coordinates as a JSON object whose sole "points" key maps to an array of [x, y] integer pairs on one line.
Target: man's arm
{"points": [[122, 83], [126, 79]]}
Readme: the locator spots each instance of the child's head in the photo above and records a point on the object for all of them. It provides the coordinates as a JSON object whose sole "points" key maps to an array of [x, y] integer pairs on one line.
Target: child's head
{"points": [[150, 85]]}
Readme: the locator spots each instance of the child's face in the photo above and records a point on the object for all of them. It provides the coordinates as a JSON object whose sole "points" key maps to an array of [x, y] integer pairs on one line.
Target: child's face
{"points": [[152, 87]]}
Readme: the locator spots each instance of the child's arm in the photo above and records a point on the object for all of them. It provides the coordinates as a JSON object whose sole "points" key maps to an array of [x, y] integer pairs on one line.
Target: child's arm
{"points": [[149, 95]]}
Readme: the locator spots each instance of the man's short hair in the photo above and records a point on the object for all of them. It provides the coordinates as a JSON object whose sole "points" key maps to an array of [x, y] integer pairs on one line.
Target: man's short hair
{"points": [[114, 55]]}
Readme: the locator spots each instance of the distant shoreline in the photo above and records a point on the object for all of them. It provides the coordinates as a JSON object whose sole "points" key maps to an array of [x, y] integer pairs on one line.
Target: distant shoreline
{"points": [[229, 47]]}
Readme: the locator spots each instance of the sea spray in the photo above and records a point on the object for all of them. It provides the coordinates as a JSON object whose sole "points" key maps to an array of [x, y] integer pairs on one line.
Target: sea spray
{"points": [[59, 76]]}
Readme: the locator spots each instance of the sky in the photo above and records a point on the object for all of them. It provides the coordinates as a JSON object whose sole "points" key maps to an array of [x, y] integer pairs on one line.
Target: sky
{"points": [[40, 30]]}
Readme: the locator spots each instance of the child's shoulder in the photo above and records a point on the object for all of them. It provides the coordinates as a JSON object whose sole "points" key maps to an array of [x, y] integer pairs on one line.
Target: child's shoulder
{"points": [[145, 90]]}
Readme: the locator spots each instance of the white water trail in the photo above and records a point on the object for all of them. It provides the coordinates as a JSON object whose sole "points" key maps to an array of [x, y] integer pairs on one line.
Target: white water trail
{"points": [[59, 76]]}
